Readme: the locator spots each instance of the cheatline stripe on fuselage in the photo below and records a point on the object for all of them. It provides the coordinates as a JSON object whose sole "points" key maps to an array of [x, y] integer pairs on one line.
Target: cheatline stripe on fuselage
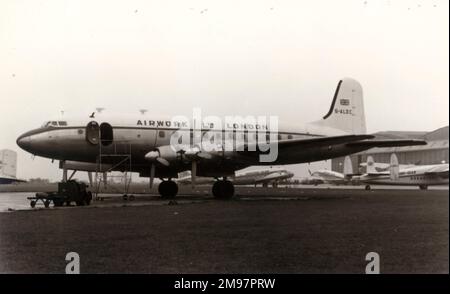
{"points": [[42, 130]]}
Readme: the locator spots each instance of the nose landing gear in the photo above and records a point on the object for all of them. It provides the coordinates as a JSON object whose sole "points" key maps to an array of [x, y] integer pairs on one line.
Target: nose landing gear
{"points": [[223, 189]]}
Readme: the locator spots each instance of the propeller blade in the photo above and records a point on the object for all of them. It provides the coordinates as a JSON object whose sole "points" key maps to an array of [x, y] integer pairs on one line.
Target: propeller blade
{"points": [[163, 161], [90, 179], [152, 175], [193, 173], [204, 155], [152, 155]]}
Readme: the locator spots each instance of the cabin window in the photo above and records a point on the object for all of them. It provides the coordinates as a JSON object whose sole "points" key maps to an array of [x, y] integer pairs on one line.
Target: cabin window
{"points": [[279, 137], [289, 136], [161, 134]]}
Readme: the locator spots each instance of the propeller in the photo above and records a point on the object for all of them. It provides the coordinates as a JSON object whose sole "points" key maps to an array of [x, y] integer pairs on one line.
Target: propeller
{"points": [[152, 175], [192, 154], [193, 173], [154, 156], [204, 155], [196, 152]]}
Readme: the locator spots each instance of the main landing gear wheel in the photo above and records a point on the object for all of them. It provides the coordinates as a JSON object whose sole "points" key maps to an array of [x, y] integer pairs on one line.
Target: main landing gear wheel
{"points": [[168, 189], [367, 187], [223, 189], [423, 187], [58, 202]]}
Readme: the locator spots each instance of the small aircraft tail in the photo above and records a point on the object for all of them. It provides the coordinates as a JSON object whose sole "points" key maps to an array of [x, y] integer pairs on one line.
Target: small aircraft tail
{"points": [[370, 167], [348, 167], [347, 108], [394, 167]]}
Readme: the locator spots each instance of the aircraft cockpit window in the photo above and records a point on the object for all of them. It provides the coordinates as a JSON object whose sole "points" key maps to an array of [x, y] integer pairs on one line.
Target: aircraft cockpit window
{"points": [[46, 124], [62, 123], [54, 124]]}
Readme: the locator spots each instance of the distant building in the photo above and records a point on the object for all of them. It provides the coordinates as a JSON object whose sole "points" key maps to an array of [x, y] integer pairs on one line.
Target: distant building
{"points": [[436, 151], [8, 166]]}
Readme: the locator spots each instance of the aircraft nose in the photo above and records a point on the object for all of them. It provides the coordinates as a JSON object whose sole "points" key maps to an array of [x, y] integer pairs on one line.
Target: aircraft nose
{"points": [[24, 142]]}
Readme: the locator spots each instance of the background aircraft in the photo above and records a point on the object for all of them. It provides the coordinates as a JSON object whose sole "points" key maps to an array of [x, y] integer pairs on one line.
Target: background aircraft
{"points": [[418, 175], [325, 176], [266, 176]]}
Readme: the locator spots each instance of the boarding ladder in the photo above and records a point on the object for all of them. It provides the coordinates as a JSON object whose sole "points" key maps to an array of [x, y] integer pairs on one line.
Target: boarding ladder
{"points": [[114, 155]]}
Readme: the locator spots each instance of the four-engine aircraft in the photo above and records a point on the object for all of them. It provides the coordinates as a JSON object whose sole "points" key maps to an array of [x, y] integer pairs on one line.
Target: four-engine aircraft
{"points": [[155, 146]]}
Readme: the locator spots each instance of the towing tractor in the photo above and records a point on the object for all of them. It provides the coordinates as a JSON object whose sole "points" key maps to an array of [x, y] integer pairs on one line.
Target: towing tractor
{"points": [[68, 192]]}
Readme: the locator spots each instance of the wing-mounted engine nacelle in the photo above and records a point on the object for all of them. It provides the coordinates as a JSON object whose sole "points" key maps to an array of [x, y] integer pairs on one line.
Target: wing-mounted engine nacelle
{"points": [[163, 154], [168, 154], [84, 166]]}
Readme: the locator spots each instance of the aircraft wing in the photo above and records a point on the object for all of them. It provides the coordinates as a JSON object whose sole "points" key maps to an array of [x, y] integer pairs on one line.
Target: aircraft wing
{"points": [[270, 177], [316, 142], [386, 143], [438, 170], [359, 141]]}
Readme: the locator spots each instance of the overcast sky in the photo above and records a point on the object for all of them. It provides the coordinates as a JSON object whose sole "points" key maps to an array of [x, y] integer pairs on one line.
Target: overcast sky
{"points": [[227, 57]]}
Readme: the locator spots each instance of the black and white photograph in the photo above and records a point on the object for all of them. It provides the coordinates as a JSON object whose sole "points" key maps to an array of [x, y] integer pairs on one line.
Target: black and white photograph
{"points": [[213, 145]]}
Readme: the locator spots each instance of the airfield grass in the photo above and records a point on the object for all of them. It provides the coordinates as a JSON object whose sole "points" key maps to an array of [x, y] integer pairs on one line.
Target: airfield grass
{"points": [[328, 231]]}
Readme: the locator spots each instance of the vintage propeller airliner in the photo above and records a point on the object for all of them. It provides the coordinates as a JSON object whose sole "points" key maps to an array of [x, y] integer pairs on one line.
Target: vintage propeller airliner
{"points": [[148, 141]]}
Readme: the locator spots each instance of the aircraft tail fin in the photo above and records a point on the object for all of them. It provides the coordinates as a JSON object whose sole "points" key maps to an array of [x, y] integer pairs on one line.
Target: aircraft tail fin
{"points": [[370, 167], [348, 168], [394, 167], [347, 108]]}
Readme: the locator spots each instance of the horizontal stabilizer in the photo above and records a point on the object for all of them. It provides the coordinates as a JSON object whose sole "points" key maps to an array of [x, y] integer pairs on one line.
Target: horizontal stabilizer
{"points": [[386, 143]]}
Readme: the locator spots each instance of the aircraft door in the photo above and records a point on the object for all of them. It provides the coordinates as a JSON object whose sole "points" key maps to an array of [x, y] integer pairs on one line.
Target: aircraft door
{"points": [[93, 133], [106, 134]]}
